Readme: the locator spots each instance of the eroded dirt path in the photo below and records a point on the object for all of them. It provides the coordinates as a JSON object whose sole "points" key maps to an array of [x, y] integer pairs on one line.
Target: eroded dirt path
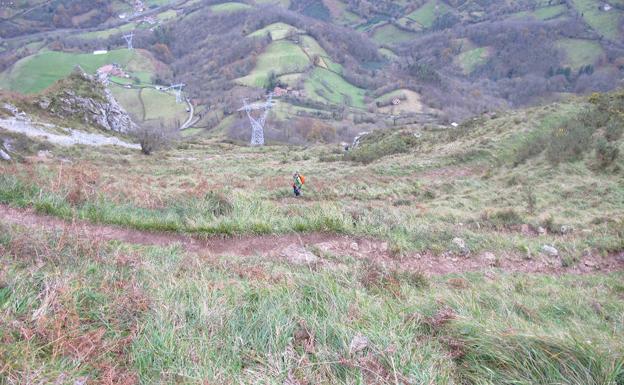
{"points": [[316, 248]]}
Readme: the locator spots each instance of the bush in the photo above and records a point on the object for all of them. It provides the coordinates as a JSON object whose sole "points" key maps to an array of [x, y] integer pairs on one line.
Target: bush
{"points": [[502, 219], [568, 142], [379, 144], [154, 136], [606, 153], [531, 147], [614, 130]]}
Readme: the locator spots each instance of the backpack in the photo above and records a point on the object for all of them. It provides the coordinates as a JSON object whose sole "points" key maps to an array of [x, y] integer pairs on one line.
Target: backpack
{"points": [[302, 179]]}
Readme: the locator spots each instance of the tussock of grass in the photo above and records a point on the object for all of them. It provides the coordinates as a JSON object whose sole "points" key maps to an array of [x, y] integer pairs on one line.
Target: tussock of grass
{"points": [[157, 315], [380, 144], [503, 358]]}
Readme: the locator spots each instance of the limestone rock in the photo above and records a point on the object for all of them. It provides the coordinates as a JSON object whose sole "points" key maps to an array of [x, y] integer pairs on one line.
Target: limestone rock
{"points": [[298, 255], [358, 343], [82, 97], [551, 251]]}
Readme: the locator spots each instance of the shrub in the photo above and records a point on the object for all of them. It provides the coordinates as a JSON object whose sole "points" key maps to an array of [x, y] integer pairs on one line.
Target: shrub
{"points": [[378, 145], [502, 219], [606, 153], [531, 200], [531, 147], [614, 130], [568, 142], [154, 136], [219, 204]]}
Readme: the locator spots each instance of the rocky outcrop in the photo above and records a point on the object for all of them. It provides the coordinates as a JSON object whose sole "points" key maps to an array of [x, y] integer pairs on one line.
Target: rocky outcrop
{"points": [[82, 97]]}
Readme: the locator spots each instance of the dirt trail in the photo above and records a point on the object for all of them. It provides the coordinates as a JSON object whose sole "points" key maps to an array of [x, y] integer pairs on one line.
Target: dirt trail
{"points": [[322, 244]]}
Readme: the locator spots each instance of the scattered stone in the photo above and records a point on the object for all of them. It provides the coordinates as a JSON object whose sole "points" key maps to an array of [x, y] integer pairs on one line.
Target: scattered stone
{"points": [[459, 242], [384, 246], [490, 258], [354, 246], [462, 245], [298, 255], [567, 229], [551, 251], [541, 230], [358, 343], [44, 103], [590, 263]]}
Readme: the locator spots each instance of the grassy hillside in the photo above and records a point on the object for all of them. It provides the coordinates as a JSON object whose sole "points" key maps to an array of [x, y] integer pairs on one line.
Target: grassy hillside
{"points": [[281, 57], [581, 52], [35, 73], [425, 246]]}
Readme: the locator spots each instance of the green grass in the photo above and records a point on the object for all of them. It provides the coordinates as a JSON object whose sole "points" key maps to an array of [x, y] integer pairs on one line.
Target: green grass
{"points": [[327, 86], [278, 31], [580, 52], [427, 14], [281, 57], [389, 34], [605, 23], [230, 7], [161, 315], [471, 59], [544, 13], [155, 105], [37, 72], [106, 33], [421, 189], [159, 104]]}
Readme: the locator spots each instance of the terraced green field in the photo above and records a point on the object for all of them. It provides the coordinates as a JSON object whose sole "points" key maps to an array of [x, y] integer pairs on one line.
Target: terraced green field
{"points": [[471, 59], [544, 13], [37, 72], [389, 34], [150, 104], [580, 52], [230, 7], [326, 86], [605, 23], [281, 57], [278, 31], [426, 15]]}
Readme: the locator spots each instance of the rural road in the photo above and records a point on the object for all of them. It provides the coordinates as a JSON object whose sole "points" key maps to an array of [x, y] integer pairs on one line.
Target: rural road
{"points": [[191, 113]]}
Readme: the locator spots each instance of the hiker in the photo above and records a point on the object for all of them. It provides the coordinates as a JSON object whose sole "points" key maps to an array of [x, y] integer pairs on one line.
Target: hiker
{"points": [[298, 181]]}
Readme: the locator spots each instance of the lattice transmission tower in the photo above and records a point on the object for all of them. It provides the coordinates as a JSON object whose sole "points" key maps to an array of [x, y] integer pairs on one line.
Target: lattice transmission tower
{"points": [[128, 38], [257, 125], [178, 91]]}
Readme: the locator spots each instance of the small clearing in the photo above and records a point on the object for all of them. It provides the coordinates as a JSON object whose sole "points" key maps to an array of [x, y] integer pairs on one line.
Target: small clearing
{"points": [[409, 102]]}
